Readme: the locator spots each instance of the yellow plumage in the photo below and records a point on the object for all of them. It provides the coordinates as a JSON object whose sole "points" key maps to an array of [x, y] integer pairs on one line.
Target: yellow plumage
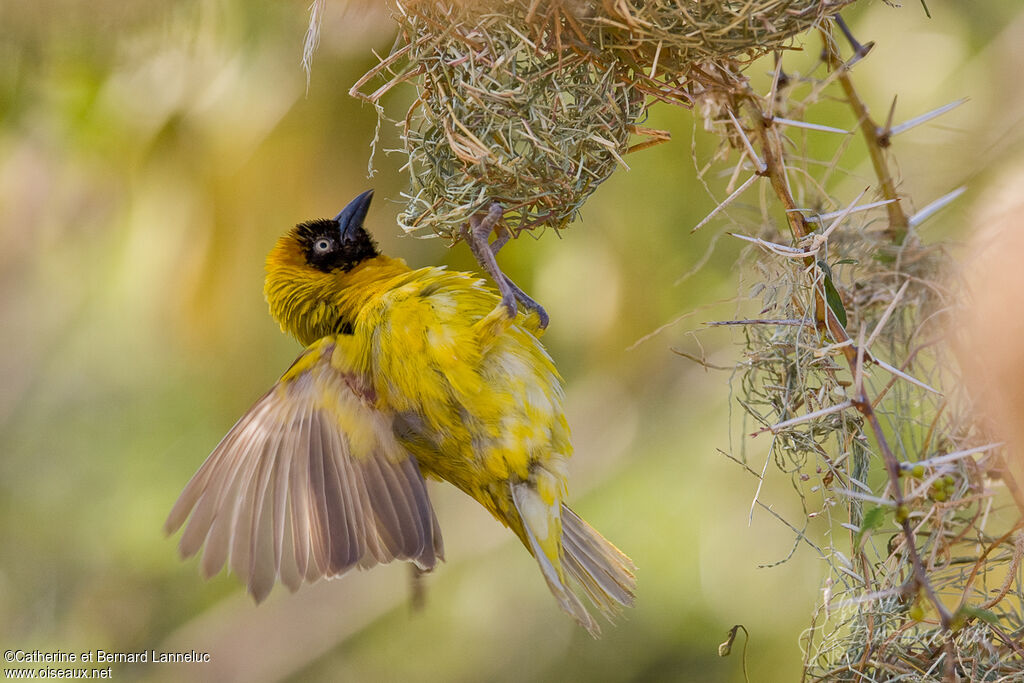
{"points": [[406, 373]]}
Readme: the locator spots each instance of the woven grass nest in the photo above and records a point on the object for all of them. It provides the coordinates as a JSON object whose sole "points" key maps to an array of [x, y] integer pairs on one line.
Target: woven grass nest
{"points": [[534, 103]]}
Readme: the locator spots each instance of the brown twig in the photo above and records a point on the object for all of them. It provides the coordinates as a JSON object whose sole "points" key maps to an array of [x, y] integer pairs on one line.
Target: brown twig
{"points": [[875, 138]]}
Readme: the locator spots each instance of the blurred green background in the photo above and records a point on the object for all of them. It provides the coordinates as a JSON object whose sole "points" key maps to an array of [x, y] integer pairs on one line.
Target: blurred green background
{"points": [[150, 155]]}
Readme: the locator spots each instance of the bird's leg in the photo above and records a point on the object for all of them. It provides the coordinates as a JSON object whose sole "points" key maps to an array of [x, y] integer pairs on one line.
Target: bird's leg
{"points": [[476, 235], [502, 236], [859, 50], [418, 592]]}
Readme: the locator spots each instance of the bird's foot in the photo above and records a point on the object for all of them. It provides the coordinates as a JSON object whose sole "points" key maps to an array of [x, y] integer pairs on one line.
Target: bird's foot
{"points": [[477, 234], [529, 304]]}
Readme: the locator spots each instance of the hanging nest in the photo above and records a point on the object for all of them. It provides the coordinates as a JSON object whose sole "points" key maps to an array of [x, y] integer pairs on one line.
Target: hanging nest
{"points": [[500, 119], [678, 34], [534, 103]]}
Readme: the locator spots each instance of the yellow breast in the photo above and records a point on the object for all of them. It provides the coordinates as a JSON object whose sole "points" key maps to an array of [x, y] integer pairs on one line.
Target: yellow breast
{"points": [[479, 408]]}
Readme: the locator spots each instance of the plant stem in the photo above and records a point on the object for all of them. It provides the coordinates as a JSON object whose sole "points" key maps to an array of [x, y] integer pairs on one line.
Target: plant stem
{"points": [[876, 140]]}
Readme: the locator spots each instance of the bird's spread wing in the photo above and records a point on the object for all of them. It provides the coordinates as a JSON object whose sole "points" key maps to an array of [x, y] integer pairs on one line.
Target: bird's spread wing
{"points": [[309, 483]]}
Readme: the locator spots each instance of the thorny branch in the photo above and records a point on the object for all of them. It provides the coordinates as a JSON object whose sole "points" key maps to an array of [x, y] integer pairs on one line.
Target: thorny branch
{"points": [[769, 141], [923, 432], [876, 138]]}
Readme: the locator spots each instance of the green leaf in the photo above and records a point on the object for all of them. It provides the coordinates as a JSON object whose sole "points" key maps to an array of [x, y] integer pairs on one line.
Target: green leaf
{"points": [[979, 613], [873, 519], [832, 298]]}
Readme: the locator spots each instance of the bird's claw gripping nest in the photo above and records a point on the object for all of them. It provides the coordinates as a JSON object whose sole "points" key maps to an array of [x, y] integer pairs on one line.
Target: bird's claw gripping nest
{"points": [[476, 235]]}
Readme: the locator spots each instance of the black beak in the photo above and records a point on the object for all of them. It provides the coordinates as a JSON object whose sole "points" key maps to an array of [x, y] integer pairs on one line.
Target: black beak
{"points": [[351, 218]]}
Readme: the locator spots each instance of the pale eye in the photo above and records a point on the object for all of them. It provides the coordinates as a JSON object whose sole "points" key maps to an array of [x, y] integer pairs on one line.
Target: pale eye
{"points": [[322, 245]]}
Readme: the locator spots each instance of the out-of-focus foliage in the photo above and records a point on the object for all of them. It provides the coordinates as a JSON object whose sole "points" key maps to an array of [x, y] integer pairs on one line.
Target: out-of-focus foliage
{"points": [[149, 156]]}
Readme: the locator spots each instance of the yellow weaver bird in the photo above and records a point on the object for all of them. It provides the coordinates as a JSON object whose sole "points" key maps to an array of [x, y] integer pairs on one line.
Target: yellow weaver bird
{"points": [[406, 373]]}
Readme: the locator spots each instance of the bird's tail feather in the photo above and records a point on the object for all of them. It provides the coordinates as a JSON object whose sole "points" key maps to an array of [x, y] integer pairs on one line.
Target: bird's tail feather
{"points": [[604, 572], [566, 545]]}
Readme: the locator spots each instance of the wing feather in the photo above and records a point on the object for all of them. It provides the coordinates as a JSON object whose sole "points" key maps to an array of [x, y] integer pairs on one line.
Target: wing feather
{"points": [[220, 495], [218, 542], [205, 498], [410, 520], [386, 509], [290, 494], [262, 570], [280, 491], [300, 510], [242, 512], [340, 494], [289, 571]]}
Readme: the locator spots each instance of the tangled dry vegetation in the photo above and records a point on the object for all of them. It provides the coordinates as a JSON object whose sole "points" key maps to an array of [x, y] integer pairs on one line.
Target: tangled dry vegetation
{"points": [[847, 370], [846, 366], [534, 103]]}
